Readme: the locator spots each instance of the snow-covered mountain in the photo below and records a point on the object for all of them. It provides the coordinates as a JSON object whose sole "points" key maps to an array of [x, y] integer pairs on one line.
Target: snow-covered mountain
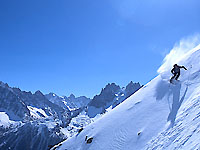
{"points": [[77, 102], [159, 116], [71, 102], [25, 106], [110, 96], [29, 121]]}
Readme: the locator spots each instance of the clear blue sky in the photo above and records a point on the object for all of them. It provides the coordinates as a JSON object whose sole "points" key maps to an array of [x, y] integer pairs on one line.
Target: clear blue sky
{"points": [[78, 46]]}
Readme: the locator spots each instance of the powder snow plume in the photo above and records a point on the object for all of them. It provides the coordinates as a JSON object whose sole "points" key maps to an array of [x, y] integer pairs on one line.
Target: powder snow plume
{"points": [[178, 52]]}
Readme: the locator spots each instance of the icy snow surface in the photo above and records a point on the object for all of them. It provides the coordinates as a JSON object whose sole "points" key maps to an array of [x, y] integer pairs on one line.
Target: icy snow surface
{"points": [[159, 116], [37, 112], [4, 120]]}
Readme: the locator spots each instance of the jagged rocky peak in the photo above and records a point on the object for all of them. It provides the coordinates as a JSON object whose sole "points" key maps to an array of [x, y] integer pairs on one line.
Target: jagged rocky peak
{"points": [[109, 92], [16, 89], [77, 102], [11, 103], [132, 88], [111, 87], [72, 102], [107, 95], [51, 95], [111, 95], [3, 84], [72, 96], [38, 93]]}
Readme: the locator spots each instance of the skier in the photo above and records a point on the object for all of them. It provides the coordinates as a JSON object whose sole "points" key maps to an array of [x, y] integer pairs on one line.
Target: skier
{"points": [[176, 72]]}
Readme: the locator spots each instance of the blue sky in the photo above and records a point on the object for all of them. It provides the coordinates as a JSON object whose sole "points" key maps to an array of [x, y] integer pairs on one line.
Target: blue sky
{"points": [[79, 46]]}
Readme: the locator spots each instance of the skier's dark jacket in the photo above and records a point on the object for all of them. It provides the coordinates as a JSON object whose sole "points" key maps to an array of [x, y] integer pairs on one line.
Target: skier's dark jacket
{"points": [[177, 68]]}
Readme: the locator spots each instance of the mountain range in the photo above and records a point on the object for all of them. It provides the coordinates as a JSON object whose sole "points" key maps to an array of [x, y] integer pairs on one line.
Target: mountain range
{"points": [[34, 121]]}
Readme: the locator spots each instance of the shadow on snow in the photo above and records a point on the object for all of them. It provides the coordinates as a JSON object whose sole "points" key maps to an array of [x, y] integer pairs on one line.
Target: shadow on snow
{"points": [[163, 88]]}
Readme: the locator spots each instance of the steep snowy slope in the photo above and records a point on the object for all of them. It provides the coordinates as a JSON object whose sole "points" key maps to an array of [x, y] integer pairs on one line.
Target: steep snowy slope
{"points": [[168, 111], [185, 130]]}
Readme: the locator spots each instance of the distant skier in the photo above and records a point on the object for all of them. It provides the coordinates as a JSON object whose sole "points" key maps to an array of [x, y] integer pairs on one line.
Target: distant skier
{"points": [[176, 72]]}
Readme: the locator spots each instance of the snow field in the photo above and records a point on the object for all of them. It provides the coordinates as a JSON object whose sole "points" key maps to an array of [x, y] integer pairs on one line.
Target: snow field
{"points": [[159, 116]]}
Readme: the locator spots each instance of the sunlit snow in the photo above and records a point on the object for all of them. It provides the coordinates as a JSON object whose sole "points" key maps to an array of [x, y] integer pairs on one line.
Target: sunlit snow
{"points": [[159, 116]]}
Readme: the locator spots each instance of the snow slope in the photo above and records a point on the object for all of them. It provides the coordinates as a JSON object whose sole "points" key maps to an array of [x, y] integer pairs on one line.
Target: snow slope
{"points": [[4, 120], [159, 116]]}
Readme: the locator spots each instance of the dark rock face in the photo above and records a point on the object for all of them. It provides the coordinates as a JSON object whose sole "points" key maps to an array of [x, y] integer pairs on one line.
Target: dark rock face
{"points": [[111, 95], [106, 96], [131, 88], [12, 104]]}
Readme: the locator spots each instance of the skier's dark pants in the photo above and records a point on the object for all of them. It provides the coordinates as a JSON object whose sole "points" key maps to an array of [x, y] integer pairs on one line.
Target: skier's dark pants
{"points": [[176, 75]]}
